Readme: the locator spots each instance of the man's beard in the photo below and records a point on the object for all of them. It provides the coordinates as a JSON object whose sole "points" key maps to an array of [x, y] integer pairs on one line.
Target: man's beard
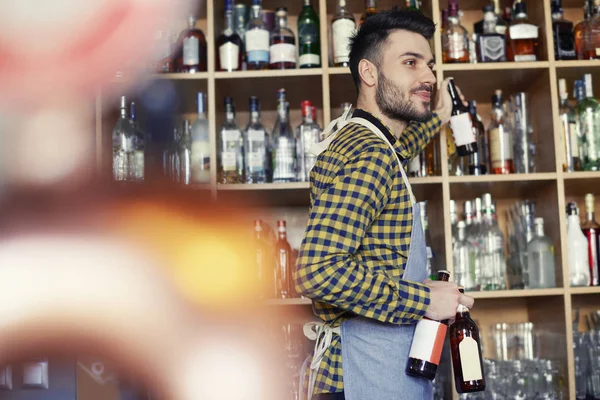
{"points": [[394, 102]]}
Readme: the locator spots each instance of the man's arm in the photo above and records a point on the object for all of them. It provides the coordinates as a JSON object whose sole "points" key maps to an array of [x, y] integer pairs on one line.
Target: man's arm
{"points": [[417, 135], [326, 269]]}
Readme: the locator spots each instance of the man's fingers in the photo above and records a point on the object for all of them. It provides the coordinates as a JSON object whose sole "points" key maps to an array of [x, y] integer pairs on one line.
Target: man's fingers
{"points": [[466, 300]]}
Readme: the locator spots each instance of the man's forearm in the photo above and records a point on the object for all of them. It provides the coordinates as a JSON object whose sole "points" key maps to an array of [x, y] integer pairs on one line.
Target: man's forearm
{"points": [[417, 135]]}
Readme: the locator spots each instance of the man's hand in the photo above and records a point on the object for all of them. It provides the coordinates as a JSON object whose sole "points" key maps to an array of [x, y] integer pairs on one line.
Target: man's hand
{"points": [[443, 105], [444, 299]]}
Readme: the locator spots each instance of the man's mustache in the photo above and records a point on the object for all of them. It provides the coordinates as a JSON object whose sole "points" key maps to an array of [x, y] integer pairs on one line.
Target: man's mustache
{"points": [[423, 88]]}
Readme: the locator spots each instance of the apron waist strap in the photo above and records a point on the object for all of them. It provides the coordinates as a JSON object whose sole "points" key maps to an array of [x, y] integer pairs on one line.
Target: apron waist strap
{"points": [[322, 334]]}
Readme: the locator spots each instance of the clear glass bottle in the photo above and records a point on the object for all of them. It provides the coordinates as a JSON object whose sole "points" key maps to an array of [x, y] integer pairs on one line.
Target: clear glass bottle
{"points": [[589, 114], [171, 164], [478, 161], [522, 135], [540, 264], [463, 257], [522, 36], [591, 33], [200, 161], [185, 154], [191, 49], [500, 139], [307, 134], [562, 32], [309, 37], [123, 137], [139, 147], [283, 145], [431, 259], [491, 45], [231, 155], [229, 43], [283, 262], [455, 38], [453, 222], [256, 143], [591, 230], [257, 40], [343, 27], [577, 249], [570, 130], [370, 9], [282, 53], [492, 257]]}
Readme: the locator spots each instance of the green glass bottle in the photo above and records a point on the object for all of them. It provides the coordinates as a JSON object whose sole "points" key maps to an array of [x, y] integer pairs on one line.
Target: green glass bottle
{"points": [[413, 5], [589, 114], [309, 41]]}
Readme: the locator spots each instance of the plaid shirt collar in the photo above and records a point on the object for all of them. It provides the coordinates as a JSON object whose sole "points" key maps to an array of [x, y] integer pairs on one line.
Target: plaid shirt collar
{"points": [[402, 152]]}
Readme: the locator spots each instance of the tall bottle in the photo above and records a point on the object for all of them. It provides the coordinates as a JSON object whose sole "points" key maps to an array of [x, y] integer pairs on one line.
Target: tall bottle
{"points": [[231, 156], [577, 249], [309, 37], [307, 134], [579, 30], [461, 124], [283, 262], [284, 144], [522, 36], [265, 271], [123, 137], [562, 33], [427, 344], [492, 258], [370, 9], [431, 265], [191, 49], [501, 147], [589, 114], [570, 130], [465, 347], [171, 164], [343, 26], [139, 147], [478, 161], [462, 256], [256, 142], [229, 43], [540, 264], [591, 34], [282, 53], [453, 222], [200, 162], [257, 39], [491, 45], [591, 230], [455, 38], [185, 154]]}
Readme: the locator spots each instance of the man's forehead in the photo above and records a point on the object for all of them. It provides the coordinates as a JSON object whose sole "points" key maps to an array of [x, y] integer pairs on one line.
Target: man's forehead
{"points": [[401, 41]]}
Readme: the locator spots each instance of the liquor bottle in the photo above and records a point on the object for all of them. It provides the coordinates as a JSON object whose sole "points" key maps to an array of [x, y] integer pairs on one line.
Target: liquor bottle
{"points": [[200, 163], [191, 49], [478, 161], [185, 154], [522, 135], [570, 130], [284, 145], [265, 270], [370, 9], [577, 249], [123, 137], [591, 34], [499, 22], [501, 148], [465, 347], [417, 166], [412, 5], [231, 155], [240, 18], [581, 28], [229, 44], [139, 147], [562, 32], [522, 36], [268, 17], [283, 262], [461, 124], [282, 53], [256, 142], [431, 266], [455, 38], [491, 46], [540, 263], [463, 254], [343, 26], [309, 37], [492, 259], [589, 117], [307, 134], [171, 165], [591, 230], [427, 344], [257, 40], [453, 222], [430, 158]]}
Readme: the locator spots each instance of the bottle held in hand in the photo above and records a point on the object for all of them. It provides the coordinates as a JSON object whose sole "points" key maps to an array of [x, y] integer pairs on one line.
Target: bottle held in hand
{"points": [[461, 124]]}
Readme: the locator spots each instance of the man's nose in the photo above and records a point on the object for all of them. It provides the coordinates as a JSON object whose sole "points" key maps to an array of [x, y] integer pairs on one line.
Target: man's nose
{"points": [[428, 77]]}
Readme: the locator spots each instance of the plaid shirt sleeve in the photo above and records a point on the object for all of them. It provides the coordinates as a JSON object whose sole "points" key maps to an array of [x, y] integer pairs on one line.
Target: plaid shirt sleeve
{"points": [[339, 218], [417, 135]]}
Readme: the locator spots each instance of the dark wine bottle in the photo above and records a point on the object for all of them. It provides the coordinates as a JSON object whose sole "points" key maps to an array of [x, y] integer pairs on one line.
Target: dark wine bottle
{"points": [[427, 344], [461, 124]]}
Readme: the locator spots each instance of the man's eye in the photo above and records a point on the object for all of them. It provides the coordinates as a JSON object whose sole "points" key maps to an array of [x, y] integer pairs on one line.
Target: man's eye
{"points": [[410, 62]]}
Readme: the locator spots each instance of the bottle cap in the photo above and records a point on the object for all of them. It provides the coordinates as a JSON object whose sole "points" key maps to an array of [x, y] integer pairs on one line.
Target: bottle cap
{"points": [[520, 8], [468, 207], [572, 208], [281, 11], [589, 202], [478, 204], [538, 221], [461, 225], [281, 222], [254, 103], [306, 107], [280, 94], [452, 206], [443, 275], [497, 97], [123, 102], [228, 100], [488, 8], [487, 200]]}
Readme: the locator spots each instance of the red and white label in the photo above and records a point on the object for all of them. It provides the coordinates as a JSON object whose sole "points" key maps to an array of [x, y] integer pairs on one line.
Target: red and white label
{"points": [[428, 341]]}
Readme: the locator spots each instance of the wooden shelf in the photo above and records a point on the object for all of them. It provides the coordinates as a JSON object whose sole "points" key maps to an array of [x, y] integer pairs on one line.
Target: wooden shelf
{"points": [[289, 302], [338, 71], [585, 290], [494, 66], [577, 64], [264, 186], [426, 180], [269, 73], [582, 175], [501, 294], [540, 176]]}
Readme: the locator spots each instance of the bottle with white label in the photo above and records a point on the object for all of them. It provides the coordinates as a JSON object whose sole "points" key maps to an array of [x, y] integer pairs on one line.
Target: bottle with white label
{"points": [[229, 44], [577, 249], [282, 53], [427, 344], [461, 124], [200, 162], [191, 49], [465, 346], [307, 135], [522, 36], [343, 27], [257, 39], [256, 141], [230, 151], [500, 139]]}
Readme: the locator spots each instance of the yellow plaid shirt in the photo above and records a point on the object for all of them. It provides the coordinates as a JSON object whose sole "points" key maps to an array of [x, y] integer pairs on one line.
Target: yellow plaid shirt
{"points": [[355, 248]]}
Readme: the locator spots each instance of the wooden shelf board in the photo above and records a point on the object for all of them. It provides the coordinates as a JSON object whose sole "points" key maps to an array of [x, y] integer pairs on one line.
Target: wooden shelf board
{"points": [[180, 76], [500, 294], [585, 290], [541, 176], [269, 73], [577, 63], [494, 66], [338, 71], [264, 186], [289, 302], [582, 175], [426, 180]]}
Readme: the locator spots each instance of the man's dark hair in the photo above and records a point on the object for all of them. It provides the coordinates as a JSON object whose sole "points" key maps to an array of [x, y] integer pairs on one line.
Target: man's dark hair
{"points": [[369, 40]]}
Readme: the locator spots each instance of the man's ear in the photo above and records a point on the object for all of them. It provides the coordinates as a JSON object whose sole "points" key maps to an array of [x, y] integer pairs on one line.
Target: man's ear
{"points": [[367, 72]]}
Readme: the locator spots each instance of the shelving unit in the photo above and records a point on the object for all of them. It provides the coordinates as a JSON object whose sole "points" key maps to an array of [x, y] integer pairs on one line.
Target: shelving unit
{"points": [[328, 86]]}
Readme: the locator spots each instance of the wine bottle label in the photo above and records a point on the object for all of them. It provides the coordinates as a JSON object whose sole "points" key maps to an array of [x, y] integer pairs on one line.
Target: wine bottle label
{"points": [[284, 160], [456, 46], [523, 31], [500, 147], [229, 160], [525, 57], [229, 56], [469, 360], [343, 29], [428, 341], [415, 164], [309, 59], [256, 161], [200, 162], [574, 140], [462, 129], [191, 51], [282, 52], [257, 45], [493, 48], [231, 144]]}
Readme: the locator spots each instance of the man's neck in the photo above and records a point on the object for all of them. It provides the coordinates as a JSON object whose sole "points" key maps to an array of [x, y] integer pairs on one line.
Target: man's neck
{"points": [[396, 126]]}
